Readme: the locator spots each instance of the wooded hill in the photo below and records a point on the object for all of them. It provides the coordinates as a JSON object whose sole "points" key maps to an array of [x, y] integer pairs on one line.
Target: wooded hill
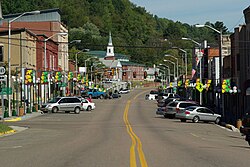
{"points": [[135, 32]]}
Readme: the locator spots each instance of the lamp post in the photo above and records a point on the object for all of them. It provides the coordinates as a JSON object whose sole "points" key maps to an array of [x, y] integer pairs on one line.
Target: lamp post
{"points": [[185, 53], [174, 66], [76, 57], [200, 57], [220, 61], [45, 54], [177, 63], [9, 51], [167, 67]]}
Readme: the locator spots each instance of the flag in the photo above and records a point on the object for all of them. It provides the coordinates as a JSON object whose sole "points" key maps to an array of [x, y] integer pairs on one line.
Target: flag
{"points": [[193, 72]]}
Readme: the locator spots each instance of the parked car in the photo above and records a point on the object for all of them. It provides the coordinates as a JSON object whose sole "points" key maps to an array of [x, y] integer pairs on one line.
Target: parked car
{"points": [[87, 105], [95, 93], [163, 95], [66, 104], [162, 105], [197, 113], [173, 107], [124, 91], [153, 95], [116, 95]]}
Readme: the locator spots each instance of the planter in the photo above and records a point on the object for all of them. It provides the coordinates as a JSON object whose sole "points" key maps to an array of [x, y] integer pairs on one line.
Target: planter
{"points": [[36, 107], [21, 111]]}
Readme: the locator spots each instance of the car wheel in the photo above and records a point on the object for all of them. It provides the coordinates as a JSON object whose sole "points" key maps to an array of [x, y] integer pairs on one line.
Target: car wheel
{"points": [[217, 121], [89, 108], [166, 115], [54, 110], [196, 119], [183, 120], [101, 97], [77, 110]]}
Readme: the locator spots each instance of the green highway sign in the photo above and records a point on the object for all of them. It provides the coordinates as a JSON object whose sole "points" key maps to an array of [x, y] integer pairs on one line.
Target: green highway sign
{"points": [[6, 91]]}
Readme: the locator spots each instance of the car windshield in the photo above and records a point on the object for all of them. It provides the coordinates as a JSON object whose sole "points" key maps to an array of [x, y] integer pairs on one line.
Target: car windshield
{"points": [[54, 100], [153, 92]]}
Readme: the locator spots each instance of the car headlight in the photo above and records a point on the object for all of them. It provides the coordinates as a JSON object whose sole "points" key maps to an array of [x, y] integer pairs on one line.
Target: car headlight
{"points": [[49, 106]]}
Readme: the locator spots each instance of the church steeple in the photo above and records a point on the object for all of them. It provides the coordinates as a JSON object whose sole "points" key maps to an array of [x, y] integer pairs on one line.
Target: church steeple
{"points": [[110, 49]]}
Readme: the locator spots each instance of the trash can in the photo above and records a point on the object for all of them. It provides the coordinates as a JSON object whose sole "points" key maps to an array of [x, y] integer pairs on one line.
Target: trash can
{"points": [[238, 123]]}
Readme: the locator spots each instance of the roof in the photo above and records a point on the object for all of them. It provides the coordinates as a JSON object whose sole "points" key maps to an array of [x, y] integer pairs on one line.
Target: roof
{"points": [[129, 63], [102, 54], [17, 30], [41, 11]]}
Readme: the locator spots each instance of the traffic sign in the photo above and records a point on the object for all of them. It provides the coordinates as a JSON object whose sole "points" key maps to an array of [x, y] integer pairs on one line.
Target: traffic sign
{"points": [[199, 55], [3, 78], [2, 70], [6, 91]]}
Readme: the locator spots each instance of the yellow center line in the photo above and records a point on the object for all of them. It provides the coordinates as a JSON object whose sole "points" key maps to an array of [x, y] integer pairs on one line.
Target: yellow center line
{"points": [[135, 139]]}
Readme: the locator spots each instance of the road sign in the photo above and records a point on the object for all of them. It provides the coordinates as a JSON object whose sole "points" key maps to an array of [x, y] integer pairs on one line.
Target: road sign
{"points": [[6, 91], [2, 70], [3, 78], [199, 55]]}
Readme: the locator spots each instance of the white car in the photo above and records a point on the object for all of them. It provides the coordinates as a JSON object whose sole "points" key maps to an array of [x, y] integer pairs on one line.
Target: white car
{"points": [[87, 106], [153, 95], [124, 91]]}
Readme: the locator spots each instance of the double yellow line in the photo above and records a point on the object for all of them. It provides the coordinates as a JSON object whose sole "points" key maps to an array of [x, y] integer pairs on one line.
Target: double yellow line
{"points": [[135, 141]]}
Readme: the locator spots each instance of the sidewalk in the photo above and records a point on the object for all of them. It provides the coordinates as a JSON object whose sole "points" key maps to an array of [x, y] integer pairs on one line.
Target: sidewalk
{"points": [[19, 118]]}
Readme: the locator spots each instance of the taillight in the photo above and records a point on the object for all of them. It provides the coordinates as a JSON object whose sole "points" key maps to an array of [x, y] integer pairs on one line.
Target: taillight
{"points": [[177, 109], [81, 104], [187, 112]]}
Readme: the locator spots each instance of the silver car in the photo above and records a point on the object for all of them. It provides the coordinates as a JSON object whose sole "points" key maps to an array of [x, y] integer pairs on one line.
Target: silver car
{"points": [[173, 107], [66, 104], [196, 114]]}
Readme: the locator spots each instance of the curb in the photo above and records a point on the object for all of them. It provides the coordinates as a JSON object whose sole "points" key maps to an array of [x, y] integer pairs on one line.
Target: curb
{"points": [[231, 127], [7, 132]]}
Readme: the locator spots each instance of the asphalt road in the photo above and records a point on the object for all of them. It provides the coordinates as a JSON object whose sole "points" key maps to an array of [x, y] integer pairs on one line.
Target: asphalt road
{"points": [[121, 132]]}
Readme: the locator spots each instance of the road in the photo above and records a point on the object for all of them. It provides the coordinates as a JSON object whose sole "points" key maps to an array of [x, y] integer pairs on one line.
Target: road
{"points": [[121, 132]]}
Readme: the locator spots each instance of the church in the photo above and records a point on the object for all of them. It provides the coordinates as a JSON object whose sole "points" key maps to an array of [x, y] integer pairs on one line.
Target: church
{"points": [[118, 66]]}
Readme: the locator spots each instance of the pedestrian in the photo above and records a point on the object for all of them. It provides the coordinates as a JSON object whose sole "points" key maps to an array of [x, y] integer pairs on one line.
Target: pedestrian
{"points": [[27, 102], [89, 99]]}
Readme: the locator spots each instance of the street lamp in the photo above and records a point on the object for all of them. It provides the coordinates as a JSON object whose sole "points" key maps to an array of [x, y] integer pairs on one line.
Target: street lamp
{"points": [[167, 67], [199, 57], [174, 66], [45, 64], [185, 52], [220, 59], [9, 50], [76, 57], [177, 63]]}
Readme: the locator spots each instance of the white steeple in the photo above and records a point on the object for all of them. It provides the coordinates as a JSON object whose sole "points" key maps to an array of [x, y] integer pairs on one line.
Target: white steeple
{"points": [[110, 47]]}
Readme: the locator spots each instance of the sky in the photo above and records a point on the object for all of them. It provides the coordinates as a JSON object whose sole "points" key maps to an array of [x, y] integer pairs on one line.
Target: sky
{"points": [[192, 12]]}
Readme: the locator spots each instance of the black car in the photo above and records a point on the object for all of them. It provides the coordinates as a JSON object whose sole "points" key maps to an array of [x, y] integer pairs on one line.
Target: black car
{"points": [[116, 95]]}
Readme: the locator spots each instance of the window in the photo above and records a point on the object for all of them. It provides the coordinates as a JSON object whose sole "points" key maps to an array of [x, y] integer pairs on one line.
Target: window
{"points": [[63, 101]]}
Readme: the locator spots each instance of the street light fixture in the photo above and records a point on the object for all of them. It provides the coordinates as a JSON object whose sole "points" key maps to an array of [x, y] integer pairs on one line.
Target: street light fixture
{"points": [[185, 52], [168, 71], [177, 63], [45, 54], [84, 50], [220, 59], [174, 66], [9, 51]]}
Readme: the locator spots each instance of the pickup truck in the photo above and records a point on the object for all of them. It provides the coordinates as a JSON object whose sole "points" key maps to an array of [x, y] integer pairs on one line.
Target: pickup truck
{"points": [[95, 93]]}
